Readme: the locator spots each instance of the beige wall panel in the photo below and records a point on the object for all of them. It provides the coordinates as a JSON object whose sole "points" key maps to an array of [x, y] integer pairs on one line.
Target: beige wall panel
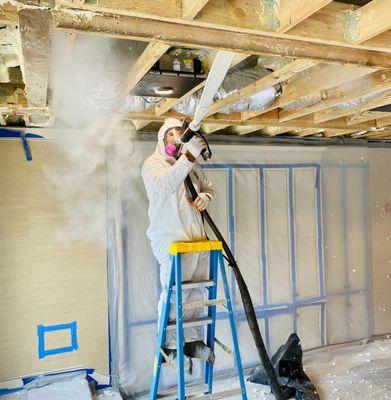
{"points": [[44, 281]]}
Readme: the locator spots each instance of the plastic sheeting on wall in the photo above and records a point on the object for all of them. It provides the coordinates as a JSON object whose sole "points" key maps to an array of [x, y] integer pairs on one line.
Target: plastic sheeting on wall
{"points": [[69, 387], [298, 221]]}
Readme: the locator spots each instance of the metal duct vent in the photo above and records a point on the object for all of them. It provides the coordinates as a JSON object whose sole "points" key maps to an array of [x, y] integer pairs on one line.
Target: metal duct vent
{"points": [[172, 76]]}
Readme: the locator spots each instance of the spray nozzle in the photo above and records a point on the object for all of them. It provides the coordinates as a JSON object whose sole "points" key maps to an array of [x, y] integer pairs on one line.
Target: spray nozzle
{"points": [[189, 133]]}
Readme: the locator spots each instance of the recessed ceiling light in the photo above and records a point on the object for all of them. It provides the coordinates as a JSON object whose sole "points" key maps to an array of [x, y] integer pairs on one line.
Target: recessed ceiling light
{"points": [[164, 91]]}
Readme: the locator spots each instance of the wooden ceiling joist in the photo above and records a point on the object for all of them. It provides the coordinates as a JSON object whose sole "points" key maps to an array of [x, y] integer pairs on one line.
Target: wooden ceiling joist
{"points": [[309, 131], [354, 107], [367, 21], [321, 19], [195, 34], [190, 8], [315, 80], [36, 28], [383, 122], [375, 83], [269, 119], [378, 135], [365, 116], [295, 67], [210, 128], [280, 16], [280, 75], [340, 56], [338, 132]]}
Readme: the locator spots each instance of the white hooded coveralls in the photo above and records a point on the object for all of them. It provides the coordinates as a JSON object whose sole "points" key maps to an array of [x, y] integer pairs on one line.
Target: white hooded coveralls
{"points": [[173, 218]]}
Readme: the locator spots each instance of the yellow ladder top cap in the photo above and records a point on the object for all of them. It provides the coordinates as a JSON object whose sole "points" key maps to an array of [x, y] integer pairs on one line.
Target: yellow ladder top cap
{"points": [[194, 247]]}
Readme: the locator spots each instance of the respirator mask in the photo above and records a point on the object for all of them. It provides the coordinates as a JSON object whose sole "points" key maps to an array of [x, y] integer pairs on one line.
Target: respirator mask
{"points": [[181, 135]]}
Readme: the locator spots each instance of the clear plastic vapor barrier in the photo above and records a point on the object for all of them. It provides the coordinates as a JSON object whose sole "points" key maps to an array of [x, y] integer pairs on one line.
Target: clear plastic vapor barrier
{"points": [[311, 231]]}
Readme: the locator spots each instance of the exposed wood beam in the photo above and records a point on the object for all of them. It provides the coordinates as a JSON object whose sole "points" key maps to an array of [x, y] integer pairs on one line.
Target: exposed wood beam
{"points": [[280, 16], [280, 75], [36, 32], [376, 82], [351, 108], [283, 74], [144, 63], [383, 122], [325, 24], [378, 135], [139, 124], [269, 119], [320, 95], [8, 14], [367, 21], [157, 8], [190, 8], [325, 21], [309, 132], [364, 116], [329, 23], [244, 130], [285, 17], [210, 128], [195, 34], [338, 132], [315, 80]]}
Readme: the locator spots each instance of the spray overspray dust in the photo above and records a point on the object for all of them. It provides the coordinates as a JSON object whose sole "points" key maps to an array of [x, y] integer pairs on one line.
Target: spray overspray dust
{"points": [[87, 86]]}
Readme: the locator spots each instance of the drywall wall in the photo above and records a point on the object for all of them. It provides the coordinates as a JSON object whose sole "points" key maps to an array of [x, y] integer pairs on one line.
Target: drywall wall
{"points": [[45, 279]]}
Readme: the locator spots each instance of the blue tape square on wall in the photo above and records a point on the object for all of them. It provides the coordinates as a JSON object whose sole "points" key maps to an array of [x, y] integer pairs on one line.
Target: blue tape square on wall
{"points": [[41, 330]]}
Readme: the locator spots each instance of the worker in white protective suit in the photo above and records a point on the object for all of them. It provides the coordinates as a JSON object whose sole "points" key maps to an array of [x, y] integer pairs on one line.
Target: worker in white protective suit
{"points": [[174, 217]]}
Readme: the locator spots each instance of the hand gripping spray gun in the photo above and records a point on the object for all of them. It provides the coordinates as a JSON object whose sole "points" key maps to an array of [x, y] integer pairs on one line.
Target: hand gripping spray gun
{"points": [[215, 77]]}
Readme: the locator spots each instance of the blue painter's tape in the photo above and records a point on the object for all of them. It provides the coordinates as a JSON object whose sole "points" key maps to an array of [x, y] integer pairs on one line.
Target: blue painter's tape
{"points": [[368, 254], [41, 330], [263, 235], [293, 246], [26, 147], [320, 252], [231, 228], [284, 166], [10, 133]]}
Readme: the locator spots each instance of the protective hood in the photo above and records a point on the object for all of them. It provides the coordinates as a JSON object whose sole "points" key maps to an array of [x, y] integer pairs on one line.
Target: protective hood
{"points": [[168, 123]]}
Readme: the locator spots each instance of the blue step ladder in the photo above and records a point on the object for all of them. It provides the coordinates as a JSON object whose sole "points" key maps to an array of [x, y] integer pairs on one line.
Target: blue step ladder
{"points": [[216, 260]]}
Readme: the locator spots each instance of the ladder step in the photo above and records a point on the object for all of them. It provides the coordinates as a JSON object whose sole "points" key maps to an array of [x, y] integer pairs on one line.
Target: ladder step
{"points": [[205, 303], [190, 323], [195, 284]]}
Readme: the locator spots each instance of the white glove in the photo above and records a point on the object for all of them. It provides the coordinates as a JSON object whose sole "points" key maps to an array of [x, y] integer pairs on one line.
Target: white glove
{"points": [[201, 202], [194, 146]]}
